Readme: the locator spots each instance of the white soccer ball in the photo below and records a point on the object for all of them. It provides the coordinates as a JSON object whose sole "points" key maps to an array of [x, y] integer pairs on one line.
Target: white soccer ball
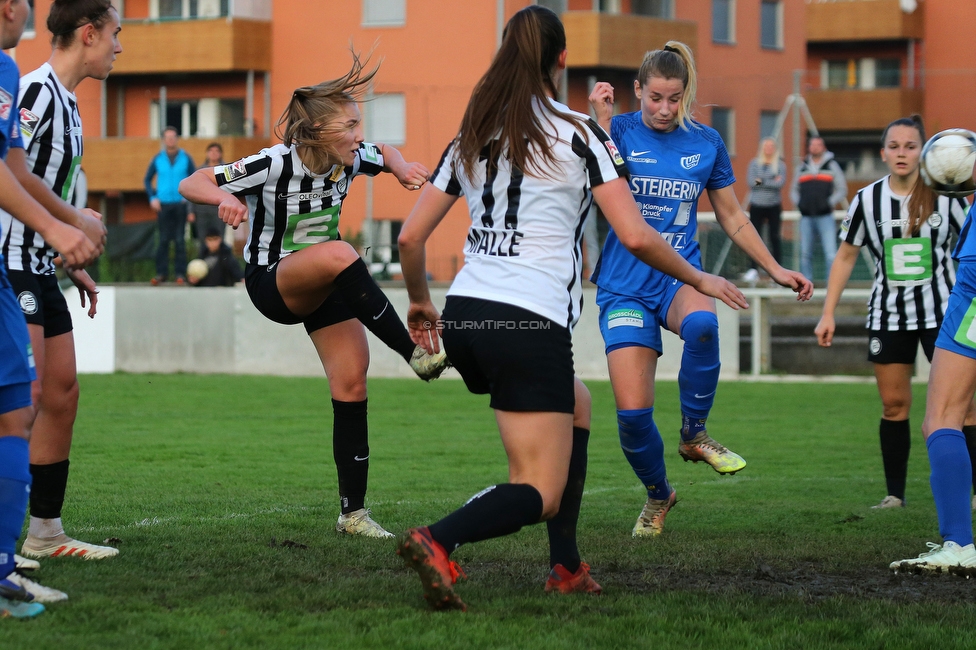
{"points": [[197, 270], [947, 162]]}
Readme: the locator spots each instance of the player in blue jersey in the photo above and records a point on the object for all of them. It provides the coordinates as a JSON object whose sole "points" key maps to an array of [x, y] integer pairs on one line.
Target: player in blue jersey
{"points": [[952, 384], [672, 160], [16, 359]]}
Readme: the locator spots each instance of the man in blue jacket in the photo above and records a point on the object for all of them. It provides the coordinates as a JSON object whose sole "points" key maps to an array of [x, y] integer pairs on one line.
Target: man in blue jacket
{"points": [[170, 166]]}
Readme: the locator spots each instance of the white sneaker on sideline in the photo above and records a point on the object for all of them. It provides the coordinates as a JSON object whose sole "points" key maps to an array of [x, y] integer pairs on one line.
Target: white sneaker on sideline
{"points": [[358, 522], [40, 593], [889, 502], [24, 564], [64, 546], [751, 276], [938, 559]]}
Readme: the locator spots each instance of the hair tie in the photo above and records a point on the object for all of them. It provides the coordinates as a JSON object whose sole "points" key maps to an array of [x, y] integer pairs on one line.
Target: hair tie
{"points": [[668, 48]]}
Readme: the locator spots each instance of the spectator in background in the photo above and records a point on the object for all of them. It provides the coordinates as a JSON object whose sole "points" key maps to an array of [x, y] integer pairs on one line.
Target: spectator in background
{"points": [[818, 186], [767, 175], [223, 268], [204, 217], [169, 167]]}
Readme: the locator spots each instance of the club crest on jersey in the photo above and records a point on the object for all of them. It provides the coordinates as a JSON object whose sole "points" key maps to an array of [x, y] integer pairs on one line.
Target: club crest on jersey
{"points": [[688, 162], [6, 103], [342, 185], [28, 123], [235, 170], [614, 154], [935, 220], [28, 303]]}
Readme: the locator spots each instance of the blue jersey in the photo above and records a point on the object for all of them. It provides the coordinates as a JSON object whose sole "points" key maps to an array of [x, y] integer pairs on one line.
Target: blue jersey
{"points": [[668, 173], [966, 246], [16, 360]]}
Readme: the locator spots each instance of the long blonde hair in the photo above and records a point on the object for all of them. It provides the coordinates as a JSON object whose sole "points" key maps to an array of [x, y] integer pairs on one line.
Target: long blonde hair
{"points": [[772, 161], [673, 61], [306, 121]]}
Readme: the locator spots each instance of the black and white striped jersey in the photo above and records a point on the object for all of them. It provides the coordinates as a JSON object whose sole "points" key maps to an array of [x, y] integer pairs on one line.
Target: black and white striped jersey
{"points": [[523, 246], [295, 208], [50, 126], [912, 275]]}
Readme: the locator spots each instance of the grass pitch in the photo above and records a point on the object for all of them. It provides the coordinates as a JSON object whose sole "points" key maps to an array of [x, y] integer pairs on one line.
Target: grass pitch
{"points": [[220, 492]]}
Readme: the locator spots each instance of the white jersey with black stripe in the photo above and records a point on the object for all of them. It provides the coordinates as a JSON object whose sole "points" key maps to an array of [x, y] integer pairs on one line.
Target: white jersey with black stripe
{"points": [[50, 126], [523, 246], [295, 208], [913, 275]]}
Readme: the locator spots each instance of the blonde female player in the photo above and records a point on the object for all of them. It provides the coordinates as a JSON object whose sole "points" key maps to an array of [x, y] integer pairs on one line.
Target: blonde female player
{"points": [[530, 169], [672, 160], [298, 269], [85, 39], [906, 227]]}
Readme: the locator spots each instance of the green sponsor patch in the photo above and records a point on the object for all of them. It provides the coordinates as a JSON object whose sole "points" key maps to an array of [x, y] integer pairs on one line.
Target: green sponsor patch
{"points": [[313, 228], [966, 334], [908, 262], [625, 318]]}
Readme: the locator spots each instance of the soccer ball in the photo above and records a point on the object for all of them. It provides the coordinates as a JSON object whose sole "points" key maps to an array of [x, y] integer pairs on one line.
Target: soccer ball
{"points": [[197, 270], [947, 162]]}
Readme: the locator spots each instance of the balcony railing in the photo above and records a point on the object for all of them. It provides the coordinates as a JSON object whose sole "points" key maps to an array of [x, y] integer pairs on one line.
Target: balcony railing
{"points": [[861, 110], [597, 39], [863, 20]]}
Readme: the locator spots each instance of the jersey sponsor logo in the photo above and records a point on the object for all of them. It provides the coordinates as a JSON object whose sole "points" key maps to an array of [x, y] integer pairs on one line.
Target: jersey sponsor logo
{"points": [[908, 262], [639, 157], [614, 154], [302, 196], [875, 346], [966, 332], [28, 123], [494, 243], [303, 230], [678, 240], [6, 103], [30, 362], [653, 211], [370, 153], [28, 303], [846, 224], [665, 188], [235, 170], [635, 154], [337, 173], [72, 130], [625, 318], [935, 220], [689, 162]]}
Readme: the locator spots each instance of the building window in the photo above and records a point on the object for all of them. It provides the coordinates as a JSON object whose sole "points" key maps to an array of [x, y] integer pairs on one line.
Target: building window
{"points": [[558, 7], [386, 119], [30, 30], [767, 123], [199, 118], [771, 29], [887, 73], [384, 13], [840, 75], [723, 21], [654, 8], [723, 121], [186, 9]]}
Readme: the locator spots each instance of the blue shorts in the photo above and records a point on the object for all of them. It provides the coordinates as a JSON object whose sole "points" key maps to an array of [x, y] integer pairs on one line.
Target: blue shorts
{"points": [[958, 332], [626, 321], [16, 357], [14, 396]]}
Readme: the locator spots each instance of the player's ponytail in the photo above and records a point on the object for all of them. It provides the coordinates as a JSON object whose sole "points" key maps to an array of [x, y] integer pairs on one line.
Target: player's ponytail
{"points": [[66, 16], [501, 113], [673, 61], [307, 119], [923, 201]]}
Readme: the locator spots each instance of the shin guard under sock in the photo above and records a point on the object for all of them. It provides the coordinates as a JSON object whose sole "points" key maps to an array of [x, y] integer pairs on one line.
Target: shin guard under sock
{"points": [[562, 527], [644, 449], [350, 448], [896, 442], [951, 480], [495, 511], [700, 366], [373, 308]]}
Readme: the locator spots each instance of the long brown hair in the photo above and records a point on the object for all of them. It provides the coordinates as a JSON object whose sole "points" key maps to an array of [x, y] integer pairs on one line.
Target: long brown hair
{"points": [[673, 61], [923, 201], [501, 110], [306, 120]]}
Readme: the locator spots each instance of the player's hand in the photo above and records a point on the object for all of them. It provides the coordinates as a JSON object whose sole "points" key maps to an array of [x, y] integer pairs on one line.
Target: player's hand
{"points": [[156, 205], [91, 224], [825, 330], [411, 175], [76, 248], [231, 211], [422, 323], [601, 99], [795, 281], [86, 287], [722, 289]]}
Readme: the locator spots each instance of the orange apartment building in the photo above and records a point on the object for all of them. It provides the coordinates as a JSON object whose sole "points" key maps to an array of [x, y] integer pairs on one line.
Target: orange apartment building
{"points": [[870, 62], [224, 69]]}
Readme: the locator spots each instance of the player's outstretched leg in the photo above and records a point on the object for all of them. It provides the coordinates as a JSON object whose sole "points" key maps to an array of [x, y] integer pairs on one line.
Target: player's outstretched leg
{"points": [[697, 383], [644, 449]]}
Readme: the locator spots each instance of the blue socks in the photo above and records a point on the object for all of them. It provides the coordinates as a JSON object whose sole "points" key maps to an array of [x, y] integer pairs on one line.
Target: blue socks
{"points": [[951, 480], [15, 480], [644, 449], [700, 366]]}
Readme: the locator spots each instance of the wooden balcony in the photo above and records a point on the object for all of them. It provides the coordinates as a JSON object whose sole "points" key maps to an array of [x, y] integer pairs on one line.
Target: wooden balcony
{"points": [[119, 164], [861, 110], [863, 20], [599, 40], [205, 45]]}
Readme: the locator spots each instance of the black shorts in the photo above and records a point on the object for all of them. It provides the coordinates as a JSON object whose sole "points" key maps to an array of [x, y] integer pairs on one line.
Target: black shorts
{"points": [[262, 287], [900, 346], [524, 361], [42, 302]]}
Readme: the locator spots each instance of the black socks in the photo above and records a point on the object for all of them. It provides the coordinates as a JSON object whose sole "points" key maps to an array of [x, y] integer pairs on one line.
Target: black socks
{"points": [[896, 442], [48, 484], [350, 448], [494, 512], [562, 527], [372, 308]]}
